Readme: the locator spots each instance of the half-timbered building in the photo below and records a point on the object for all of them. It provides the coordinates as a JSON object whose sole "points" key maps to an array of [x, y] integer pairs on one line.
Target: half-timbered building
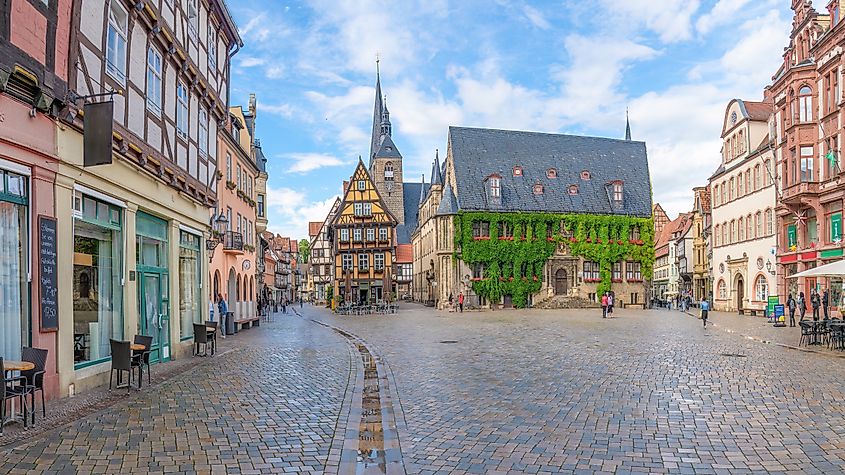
{"points": [[133, 214], [363, 233], [322, 255]]}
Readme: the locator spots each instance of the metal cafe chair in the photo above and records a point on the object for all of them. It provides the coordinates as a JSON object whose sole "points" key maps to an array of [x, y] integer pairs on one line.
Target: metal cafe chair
{"points": [[12, 387], [143, 357], [122, 361], [35, 376], [200, 338]]}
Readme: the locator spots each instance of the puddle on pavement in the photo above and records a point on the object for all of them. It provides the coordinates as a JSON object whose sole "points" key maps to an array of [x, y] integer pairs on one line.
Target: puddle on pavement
{"points": [[371, 458]]}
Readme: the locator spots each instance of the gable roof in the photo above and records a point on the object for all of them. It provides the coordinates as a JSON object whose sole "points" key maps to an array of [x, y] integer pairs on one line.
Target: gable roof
{"points": [[361, 170], [387, 149], [448, 203], [480, 153], [758, 110], [314, 228], [410, 201]]}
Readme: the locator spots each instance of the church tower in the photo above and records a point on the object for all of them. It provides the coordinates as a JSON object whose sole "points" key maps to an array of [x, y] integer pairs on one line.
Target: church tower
{"points": [[385, 159]]}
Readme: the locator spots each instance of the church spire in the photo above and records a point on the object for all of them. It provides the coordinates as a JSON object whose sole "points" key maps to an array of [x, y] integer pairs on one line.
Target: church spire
{"points": [[378, 111], [627, 126]]}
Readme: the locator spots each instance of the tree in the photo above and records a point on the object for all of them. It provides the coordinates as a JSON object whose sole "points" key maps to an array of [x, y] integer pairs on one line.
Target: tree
{"points": [[305, 250]]}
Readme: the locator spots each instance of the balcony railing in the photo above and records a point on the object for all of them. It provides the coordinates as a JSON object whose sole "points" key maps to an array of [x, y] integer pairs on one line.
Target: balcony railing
{"points": [[233, 241]]}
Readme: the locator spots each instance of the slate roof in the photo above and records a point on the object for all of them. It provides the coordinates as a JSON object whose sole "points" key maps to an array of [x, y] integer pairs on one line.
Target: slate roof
{"points": [[410, 195], [448, 204], [260, 159], [478, 153], [387, 149]]}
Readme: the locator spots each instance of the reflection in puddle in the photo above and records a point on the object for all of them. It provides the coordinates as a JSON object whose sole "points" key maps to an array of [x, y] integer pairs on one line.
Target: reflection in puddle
{"points": [[371, 458]]}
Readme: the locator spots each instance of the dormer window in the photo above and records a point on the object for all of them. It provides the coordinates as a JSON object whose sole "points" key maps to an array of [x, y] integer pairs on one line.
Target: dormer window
{"points": [[551, 173], [585, 175], [538, 189], [495, 184], [573, 189], [616, 191], [517, 171]]}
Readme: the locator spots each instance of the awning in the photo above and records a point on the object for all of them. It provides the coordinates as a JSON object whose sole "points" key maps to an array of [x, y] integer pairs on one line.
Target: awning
{"points": [[834, 269]]}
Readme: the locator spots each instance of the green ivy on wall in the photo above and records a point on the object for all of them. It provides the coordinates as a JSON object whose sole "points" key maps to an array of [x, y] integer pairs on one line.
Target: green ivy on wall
{"points": [[514, 265]]}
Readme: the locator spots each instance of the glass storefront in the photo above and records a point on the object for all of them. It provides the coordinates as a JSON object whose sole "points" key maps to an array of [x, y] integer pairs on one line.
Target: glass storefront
{"points": [[153, 283], [189, 283], [97, 289], [14, 290]]}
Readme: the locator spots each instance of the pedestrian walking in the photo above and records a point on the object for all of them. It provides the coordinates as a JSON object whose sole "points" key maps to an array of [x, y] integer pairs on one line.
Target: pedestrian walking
{"points": [[285, 306], [816, 302], [802, 306], [791, 305], [705, 310], [611, 300], [223, 309], [825, 304], [300, 303], [461, 302], [604, 305]]}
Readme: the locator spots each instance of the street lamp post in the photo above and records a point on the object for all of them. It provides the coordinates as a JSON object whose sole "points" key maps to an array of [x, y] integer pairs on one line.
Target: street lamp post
{"points": [[218, 227]]}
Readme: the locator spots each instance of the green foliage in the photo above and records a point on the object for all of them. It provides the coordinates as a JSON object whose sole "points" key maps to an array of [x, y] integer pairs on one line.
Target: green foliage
{"points": [[514, 266], [305, 250]]}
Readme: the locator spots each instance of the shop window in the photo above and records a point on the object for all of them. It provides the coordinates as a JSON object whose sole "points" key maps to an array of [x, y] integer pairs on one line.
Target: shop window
{"points": [[97, 272], [14, 316], [189, 282]]}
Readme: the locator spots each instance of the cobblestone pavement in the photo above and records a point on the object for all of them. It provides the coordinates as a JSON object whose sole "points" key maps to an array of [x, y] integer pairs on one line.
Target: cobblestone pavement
{"points": [[565, 391], [478, 392], [271, 405]]}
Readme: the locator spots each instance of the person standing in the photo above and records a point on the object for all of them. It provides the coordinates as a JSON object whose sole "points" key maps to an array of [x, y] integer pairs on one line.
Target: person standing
{"points": [[461, 302], [611, 300], [705, 310], [604, 305], [816, 302], [825, 304], [802, 306], [285, 306], [790, 304]]}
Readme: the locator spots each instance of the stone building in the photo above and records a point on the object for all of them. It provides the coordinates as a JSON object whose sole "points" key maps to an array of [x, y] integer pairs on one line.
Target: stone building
{"points": [[744, 199], [806, 136], [702, 252], [525, 211]]}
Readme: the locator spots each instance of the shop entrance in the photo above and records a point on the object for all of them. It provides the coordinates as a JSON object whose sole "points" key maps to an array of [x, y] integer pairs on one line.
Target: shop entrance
{"points": [[153, 313], [153, 284]]}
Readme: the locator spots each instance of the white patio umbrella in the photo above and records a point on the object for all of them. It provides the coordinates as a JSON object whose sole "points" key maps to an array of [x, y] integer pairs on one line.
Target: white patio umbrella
{"points": [[834, 269]]}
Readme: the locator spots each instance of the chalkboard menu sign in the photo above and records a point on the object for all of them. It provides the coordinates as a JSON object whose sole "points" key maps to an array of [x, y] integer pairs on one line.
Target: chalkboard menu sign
{"points": [[48, 273]]}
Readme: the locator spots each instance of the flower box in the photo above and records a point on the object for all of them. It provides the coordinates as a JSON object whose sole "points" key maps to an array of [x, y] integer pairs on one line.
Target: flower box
{"points": [[510, 279], [620, 242], [230, 185], [481, 238], [588, 240], [572, 239]]}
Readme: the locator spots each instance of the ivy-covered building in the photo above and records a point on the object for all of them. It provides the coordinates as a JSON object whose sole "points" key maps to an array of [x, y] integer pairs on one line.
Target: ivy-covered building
{"points": [[535, 219]]}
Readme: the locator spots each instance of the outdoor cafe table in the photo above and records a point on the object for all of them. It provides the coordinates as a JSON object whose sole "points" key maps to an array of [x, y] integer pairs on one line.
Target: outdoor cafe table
{"points": [[10, 365], [137, 347]]}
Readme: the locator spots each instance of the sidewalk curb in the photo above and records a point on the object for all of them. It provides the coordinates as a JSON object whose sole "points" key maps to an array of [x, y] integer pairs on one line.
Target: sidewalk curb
{"points": [[769, 342]]}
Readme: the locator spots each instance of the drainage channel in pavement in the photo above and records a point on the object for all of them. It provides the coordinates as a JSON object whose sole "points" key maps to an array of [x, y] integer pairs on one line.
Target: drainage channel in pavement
{"points": [[371, 445]]}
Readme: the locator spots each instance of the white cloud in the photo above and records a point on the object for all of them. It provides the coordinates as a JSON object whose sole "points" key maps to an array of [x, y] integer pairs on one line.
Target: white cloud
{"points": [[671, 20], [283, 110], [723, 12], [307, 162], [289, 211], [250, 61], [536, 17], [276, 71]]}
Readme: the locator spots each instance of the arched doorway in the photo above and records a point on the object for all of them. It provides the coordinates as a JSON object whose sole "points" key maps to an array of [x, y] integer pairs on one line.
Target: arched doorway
{"points": [[232, 286], [739, 291], [216, 287], [561, 282]]}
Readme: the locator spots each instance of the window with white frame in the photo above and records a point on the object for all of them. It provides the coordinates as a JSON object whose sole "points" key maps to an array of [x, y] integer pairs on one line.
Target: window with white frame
{"points": [[617, 191], [154, 80], [356, 234], [116, 41], [722, 290], [495, 187], [228, 166], [371, 234], [363, 262], [181, 109], [344, 235], [382, 234], [378, 261], [347, 261], [761, 289], [362, 185], [368, 209], [193, 18], [358, 209], [212, 49], [202, 136]]}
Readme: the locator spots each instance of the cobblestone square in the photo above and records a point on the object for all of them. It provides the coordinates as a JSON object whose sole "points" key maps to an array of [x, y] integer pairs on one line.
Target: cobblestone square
{"points": [[478, 392]]}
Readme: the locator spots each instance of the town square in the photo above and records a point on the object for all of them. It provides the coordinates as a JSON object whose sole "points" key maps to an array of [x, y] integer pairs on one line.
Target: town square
{"points": [[422, 237]]}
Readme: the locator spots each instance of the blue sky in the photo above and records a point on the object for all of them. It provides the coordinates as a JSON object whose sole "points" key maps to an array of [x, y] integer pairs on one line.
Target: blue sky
{"points": [[569, 66]]}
